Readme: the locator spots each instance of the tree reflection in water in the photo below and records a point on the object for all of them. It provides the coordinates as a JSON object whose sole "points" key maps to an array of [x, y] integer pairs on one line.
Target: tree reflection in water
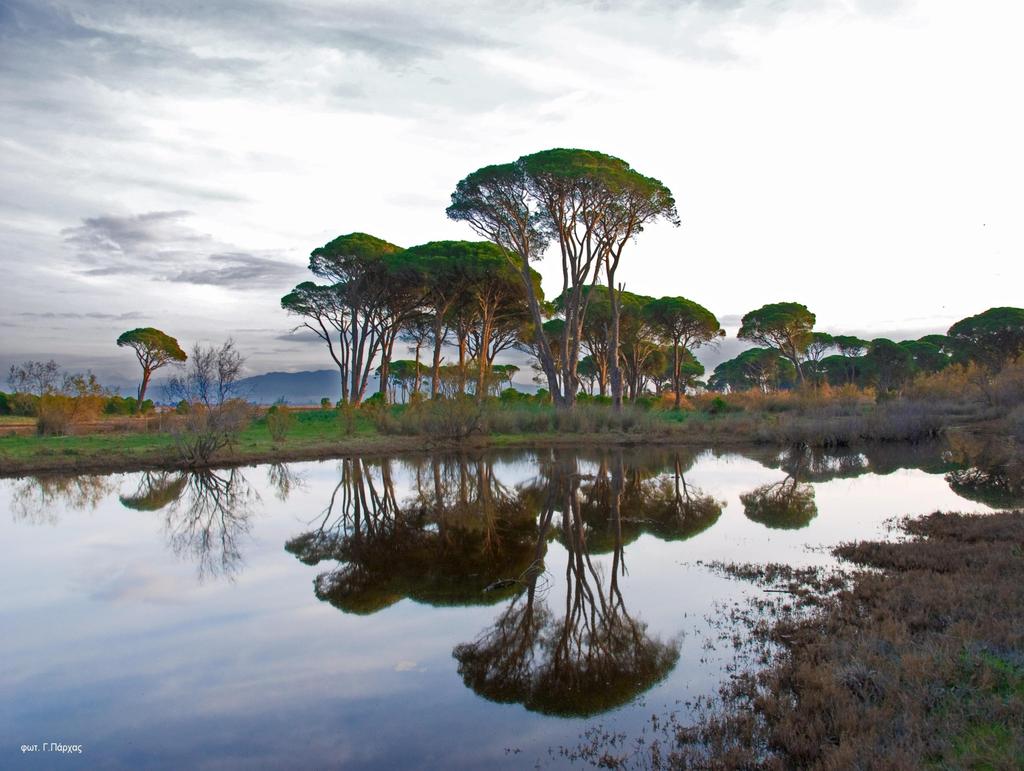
{"points": [[155, 490], [990, 470], [655, 498], [594, 657], [464, 537], [457, 536], [206, 515], [40, 500], [284, 480], [209, 521], [789, 504]]}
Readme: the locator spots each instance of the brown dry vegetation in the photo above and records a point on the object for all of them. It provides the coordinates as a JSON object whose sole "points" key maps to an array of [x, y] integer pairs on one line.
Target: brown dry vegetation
{"points": [[916, 661]]}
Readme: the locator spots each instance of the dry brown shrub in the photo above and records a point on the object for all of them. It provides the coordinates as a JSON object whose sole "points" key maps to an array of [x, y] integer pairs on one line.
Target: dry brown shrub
{"points": [[954, 382], [1007, 386], [279, 422], [667, 401], [58, 413]]}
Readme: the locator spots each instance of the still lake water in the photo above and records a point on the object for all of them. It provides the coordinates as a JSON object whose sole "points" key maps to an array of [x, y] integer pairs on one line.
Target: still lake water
{"points": [[435, 612]]}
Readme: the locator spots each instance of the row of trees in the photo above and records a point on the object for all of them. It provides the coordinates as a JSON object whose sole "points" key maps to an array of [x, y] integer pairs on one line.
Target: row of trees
{"points": [[467, 294], [484, 297], [444, 292], [790, 352]]}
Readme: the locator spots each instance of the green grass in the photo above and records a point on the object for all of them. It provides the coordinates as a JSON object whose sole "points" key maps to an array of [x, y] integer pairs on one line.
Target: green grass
{"points": [[21, 447], [374, 428], [308, 429], [989, 685], [312, 434]]}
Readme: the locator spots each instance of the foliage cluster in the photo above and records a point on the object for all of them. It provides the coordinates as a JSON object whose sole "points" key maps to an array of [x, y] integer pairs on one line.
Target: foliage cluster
{"points": [[279, 421]]}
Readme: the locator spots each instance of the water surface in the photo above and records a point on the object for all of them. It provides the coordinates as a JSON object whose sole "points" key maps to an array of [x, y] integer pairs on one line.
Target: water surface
{"points": [[434, 612]]}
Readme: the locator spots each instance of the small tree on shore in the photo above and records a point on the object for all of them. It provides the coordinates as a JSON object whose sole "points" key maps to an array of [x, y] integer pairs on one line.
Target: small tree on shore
{"points": [[214, 413], [154, 349], [34, 377]]}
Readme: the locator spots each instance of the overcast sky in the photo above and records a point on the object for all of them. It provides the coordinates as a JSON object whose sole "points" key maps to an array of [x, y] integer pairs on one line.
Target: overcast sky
{"points": [[174, 168]]}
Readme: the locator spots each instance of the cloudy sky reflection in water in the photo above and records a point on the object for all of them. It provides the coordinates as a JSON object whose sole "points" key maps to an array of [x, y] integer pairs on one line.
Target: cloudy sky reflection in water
{"points": [[114, 640]]}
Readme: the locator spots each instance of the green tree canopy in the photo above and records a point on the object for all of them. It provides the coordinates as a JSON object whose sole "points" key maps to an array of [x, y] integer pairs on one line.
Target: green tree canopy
{"points": [[761, 368], [888, 365], [850, 348], [993, 337], [785, 326], [154, 349], [592, 205], [685, 325], [478, 278], [927, 356], [348, 256], [375, 302]]}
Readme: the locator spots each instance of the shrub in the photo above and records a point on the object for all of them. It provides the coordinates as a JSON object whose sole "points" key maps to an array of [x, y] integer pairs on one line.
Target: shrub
{"points": [[119, 405], [1007, 388], [279, 421], [213, 416], [5, 404], [80, 398], [718, 406], [56, 413], [24, 405], [953, 382], [325, 403], [455, 418], [347, 414], [511, 395], [667, 401], [59, 412], [205, 430], [644, 402]]}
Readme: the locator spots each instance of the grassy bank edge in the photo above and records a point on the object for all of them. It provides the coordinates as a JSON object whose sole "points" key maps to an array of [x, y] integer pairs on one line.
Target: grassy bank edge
{"points": [[166, 458]]}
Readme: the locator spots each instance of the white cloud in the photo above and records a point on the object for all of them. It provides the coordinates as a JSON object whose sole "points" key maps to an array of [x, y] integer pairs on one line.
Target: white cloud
{"points": [[862, 157]]}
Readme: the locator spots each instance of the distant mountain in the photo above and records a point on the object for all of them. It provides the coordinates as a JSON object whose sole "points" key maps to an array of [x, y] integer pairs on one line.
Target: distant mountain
{"points": [[310, 387], [295, 387]]}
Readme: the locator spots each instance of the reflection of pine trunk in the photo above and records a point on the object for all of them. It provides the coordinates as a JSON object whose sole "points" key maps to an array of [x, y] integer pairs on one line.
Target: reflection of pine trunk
{"points": [[681, 490], [618, 554], [595, 656]]}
